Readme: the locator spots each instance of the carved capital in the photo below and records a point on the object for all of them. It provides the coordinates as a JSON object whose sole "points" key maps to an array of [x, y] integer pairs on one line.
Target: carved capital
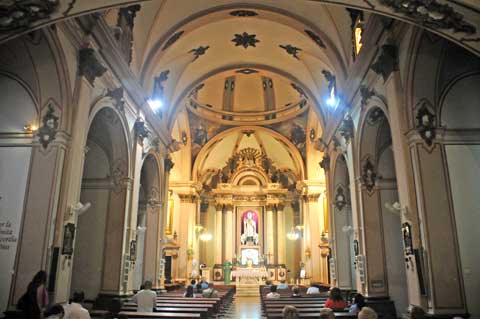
{"points": [[89, 66], [310, 198], [187, 198], [325, 162], [387, 61], [140, 129], [168, 164], [346, 128]]}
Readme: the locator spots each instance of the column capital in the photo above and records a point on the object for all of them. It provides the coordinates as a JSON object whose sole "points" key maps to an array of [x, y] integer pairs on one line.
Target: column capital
{"points": [[188, 198], [311, 197]]}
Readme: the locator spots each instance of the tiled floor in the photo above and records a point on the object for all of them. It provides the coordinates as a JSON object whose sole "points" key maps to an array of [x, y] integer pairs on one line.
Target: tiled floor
{"points": [[245, 308]]}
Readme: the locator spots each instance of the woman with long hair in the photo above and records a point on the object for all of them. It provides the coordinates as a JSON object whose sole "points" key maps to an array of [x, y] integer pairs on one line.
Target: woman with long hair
{"points": [[35, 299], [335, 300], [358, 303]]}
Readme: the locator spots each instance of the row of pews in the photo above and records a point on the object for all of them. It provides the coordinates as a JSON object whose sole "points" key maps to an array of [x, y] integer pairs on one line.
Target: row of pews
{"points": [[174, 305], [308, 306]]}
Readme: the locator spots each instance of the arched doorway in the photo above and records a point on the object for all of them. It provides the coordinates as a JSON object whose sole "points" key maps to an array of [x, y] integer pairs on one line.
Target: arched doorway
{"points": [[99, 233], [381, 213]]}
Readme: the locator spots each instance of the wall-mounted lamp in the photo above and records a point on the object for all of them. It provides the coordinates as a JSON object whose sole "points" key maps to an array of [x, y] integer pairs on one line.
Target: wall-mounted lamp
{"points": [[30, 128]]}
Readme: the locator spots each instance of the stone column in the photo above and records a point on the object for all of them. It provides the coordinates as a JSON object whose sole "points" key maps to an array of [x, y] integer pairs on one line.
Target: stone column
{"points": [[269, 236], [312, 237], [186, 233], [281, 235], [152, 241], [218, 237], [229, 233]]}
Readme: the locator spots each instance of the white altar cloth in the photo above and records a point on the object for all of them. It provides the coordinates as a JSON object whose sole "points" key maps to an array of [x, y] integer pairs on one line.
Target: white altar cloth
{"points": [[250, 273]]}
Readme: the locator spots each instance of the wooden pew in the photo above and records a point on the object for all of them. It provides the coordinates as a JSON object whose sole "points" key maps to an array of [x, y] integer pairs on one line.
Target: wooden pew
{"points": [[131, 314]]}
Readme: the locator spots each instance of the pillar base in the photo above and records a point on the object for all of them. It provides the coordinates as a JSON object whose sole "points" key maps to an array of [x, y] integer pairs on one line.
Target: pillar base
{"points": [[384, 306]]}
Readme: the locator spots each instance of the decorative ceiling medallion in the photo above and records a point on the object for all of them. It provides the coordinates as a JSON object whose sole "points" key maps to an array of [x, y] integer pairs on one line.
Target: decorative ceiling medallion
{"points": [[172, 40], [246, 71], [245, 40], [20, 14], [375, 116], [299, 90], [201, 50], [432, 14], [425, 123], [387, 61], [243, 13], [291, 50], [369, 176], [340, 198], [315, 38]]}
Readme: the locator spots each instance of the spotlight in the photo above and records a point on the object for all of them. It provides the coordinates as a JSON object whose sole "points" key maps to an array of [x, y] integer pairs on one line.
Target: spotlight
{"points": [[155, 104], [332, 101]]}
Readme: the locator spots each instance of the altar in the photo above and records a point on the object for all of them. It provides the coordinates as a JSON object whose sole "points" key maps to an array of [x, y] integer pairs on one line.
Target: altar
{"points": [[248, 280]]}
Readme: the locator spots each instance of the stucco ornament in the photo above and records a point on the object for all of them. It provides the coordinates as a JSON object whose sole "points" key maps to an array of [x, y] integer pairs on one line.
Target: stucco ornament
{"points": [[46, 133], [20, 14]]}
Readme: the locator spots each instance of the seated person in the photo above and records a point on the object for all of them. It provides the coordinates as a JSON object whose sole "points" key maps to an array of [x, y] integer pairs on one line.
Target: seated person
{"points": [[416, 312], [204, 284], [313, 290], [75, 310], [198, 287], [367, 313], [55, 312], [335, 300], [146, 299], [282, 285], [358, 303], [326, 313], [189, 293], [210, 292], [296, 292], [193, 283], [273, 294], [290, 312]]}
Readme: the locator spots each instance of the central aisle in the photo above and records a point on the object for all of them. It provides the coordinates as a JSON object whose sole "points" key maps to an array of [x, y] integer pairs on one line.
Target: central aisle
{"points": [[245, 308]]}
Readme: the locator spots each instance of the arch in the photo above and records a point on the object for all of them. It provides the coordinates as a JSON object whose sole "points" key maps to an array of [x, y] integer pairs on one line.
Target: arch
{"points": [[202, 155], [176, 104]]}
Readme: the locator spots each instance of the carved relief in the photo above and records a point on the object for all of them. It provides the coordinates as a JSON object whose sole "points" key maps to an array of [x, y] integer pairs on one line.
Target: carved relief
{"points": [[168, 164], [47, 132], [375, 116], [325, 162], [426, 123], [366, 94], [290, 49], [117, 96], [387, 61], [89, 66], [340, 198], [369, 176], [140, 129], [20, 14], [346, 128], [245, 40], [432, 14], [120, 178]]}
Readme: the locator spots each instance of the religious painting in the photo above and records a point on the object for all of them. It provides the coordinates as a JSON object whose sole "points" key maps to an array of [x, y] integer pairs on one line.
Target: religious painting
{"points": [[271, 274], [249, 228], [68, 237], [281, 274]]}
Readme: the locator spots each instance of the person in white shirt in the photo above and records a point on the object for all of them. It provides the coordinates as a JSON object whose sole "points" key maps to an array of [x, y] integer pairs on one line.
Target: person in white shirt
{"points": [[312, 290], [75, 310], [146, 298], [273, 294]]}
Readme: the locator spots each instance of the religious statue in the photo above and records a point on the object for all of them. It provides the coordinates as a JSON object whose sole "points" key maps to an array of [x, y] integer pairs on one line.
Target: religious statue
{"points": [[249, 230]]}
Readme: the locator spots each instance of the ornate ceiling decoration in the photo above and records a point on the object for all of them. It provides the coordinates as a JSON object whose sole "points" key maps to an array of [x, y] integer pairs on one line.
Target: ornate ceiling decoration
{"points": [[290, 49], [246, 71], [387, 61], [201, 50], [174, 38], [243, 13], [315, 38], [246, 40], [425, 122], [432, 14], [20, 14]]}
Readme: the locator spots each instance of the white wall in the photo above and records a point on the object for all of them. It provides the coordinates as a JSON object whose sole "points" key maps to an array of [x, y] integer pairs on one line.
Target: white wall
{"points": [[14, 167], [464, 169]]}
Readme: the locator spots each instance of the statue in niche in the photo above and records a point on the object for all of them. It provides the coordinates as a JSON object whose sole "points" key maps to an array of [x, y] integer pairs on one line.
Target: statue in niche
{"points": [[249, 234]]}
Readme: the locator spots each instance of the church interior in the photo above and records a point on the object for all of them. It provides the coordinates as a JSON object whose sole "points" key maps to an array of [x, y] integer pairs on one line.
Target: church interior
{"points": [[242, 143]]}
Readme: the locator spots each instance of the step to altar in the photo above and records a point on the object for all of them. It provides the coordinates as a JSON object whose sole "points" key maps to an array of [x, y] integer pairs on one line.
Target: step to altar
{"points": [[247, 290]]}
